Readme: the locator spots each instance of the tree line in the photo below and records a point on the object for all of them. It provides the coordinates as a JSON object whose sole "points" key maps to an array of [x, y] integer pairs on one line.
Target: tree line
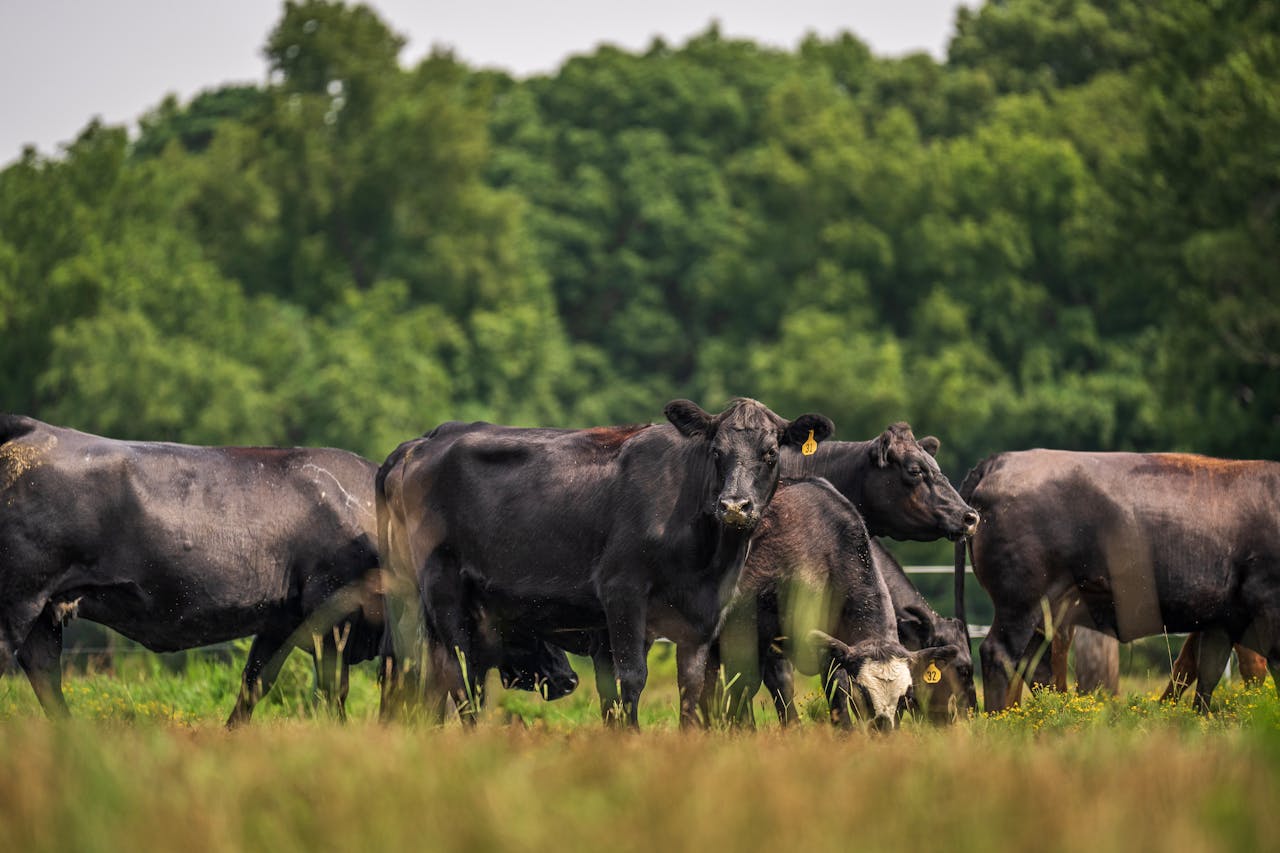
{"points": [[1065, 234]]}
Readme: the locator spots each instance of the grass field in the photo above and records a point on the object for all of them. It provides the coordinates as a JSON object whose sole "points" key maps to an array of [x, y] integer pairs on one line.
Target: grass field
{"points": [[147, 765]]}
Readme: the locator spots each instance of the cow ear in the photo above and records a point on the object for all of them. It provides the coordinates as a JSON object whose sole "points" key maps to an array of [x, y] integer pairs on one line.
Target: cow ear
{"points": [[797, 432], [930, 445], [823, 642], [880, 449], [688, 417], [940, 656], [913, 626]]}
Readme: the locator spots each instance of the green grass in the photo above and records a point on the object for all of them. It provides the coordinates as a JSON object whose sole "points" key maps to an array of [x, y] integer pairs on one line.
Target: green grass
{"points": [[146, 764]]}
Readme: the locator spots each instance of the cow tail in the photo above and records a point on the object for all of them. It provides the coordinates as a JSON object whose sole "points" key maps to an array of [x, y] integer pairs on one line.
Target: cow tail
{"points": [[971, 481]]}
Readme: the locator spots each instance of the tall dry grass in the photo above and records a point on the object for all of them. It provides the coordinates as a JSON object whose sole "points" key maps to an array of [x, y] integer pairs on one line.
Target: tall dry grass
{"points": [[91, 786]]}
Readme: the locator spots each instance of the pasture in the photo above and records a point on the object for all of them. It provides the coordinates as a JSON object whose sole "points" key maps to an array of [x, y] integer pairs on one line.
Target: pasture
{"points": [[146, 763]]}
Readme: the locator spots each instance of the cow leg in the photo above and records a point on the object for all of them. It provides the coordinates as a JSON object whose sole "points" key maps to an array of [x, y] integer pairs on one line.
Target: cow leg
{"points": [[1215, 650], [1059, 650], [1097, 661], [40, 657], [739, 648], [1184, 669], [1003, 663], [779, 681], [691, 673], [839, 691], [625, 616], [1253, 666], [266, 655], [331, 669], [607, 684]]}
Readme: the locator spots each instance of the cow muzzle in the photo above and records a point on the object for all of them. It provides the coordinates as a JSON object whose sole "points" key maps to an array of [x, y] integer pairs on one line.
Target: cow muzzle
{"points": [[738, 513]]}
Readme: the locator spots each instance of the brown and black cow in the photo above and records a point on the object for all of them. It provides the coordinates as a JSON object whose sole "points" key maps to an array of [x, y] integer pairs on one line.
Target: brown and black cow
{"points": [[618, 533], [1130, 544]]}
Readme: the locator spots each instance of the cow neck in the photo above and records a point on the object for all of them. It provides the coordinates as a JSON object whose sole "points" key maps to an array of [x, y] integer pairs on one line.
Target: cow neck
{"points": [[730, 556], [844, 464]]}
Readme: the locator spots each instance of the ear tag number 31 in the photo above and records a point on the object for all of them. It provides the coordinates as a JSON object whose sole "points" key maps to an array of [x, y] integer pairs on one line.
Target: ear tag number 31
{"points": [[810, 446], [932, 675]]}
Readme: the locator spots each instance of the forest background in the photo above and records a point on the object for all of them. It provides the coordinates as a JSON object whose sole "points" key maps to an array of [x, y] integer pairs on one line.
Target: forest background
{"points": [[1066, 234]]}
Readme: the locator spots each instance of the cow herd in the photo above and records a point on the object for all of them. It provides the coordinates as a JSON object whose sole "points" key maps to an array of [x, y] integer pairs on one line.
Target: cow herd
{"points": [[746, 539]]}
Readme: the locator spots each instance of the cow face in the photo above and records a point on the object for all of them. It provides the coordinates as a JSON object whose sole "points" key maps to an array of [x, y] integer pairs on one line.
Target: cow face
{"points": [[537, 667], [942, 680], [742, 443], [880, 677], [906, 495]]}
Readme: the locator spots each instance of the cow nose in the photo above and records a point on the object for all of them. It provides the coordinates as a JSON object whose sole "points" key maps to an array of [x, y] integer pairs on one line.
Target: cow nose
{"points": [[970, 521], [883, 723], [735, 510]]}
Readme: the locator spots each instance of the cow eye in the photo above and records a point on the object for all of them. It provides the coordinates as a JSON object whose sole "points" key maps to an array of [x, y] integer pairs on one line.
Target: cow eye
{"points": [[771, 455], [915, 472]]}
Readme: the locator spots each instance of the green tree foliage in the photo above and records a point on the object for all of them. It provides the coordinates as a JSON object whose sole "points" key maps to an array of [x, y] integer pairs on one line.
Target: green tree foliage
{"points": [[1064, 235]]}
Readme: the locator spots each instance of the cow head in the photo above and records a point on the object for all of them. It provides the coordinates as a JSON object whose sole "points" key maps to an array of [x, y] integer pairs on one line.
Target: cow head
{"points": [[538, 667], [905, 493], [883, 674], [950, 694], [742, 443]]}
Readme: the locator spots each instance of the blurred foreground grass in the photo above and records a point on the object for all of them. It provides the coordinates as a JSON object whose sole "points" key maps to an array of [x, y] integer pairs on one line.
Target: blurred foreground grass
{"points": [[146, 765]]}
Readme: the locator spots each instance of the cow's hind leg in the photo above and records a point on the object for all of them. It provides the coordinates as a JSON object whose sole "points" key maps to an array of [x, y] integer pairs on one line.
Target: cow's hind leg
{"points": [[41, 659], [1183, 674], [1215, 651], [267, 654], [1004, 662]]}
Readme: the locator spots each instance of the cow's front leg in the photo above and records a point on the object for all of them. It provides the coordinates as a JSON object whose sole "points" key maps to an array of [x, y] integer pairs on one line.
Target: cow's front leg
{"points": [[691, 673], [41, 659], [1003, 663], [625, 615], [779, 681]]}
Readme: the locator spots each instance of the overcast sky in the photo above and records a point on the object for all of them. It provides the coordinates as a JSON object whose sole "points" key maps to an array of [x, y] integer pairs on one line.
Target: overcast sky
{"points": [[64, 61]]}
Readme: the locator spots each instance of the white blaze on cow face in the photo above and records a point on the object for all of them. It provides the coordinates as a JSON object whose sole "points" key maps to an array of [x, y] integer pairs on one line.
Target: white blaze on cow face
{"points": [[884, 683]]}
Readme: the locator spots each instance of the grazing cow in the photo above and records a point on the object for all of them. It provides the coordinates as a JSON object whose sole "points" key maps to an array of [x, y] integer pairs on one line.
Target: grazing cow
{"points": [[811, 592], [1130, 544], [639, 531], [921, 627], [177, 546]]}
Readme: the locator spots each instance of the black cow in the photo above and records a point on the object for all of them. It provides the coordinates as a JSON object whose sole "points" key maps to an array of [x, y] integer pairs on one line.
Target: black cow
{"points": [[178, 546], [811, 576], [893, 481], [1129, 544], [639, 531]]}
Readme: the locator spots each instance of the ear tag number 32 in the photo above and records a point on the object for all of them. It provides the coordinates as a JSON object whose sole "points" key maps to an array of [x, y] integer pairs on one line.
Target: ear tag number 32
{"points": [[932, 675], [810, 446]]}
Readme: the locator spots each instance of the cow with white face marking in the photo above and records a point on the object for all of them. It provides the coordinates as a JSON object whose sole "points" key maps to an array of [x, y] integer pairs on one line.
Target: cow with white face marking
{"points": [[811, 591]]}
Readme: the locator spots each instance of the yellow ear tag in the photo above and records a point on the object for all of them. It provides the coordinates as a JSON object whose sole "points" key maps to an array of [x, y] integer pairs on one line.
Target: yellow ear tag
{"points": [[932, 675], [810, 446]]}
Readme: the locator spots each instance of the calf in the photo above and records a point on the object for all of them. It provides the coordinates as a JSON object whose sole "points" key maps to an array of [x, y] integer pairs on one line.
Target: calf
{"points": [[1131, 544], [811, 594]]}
